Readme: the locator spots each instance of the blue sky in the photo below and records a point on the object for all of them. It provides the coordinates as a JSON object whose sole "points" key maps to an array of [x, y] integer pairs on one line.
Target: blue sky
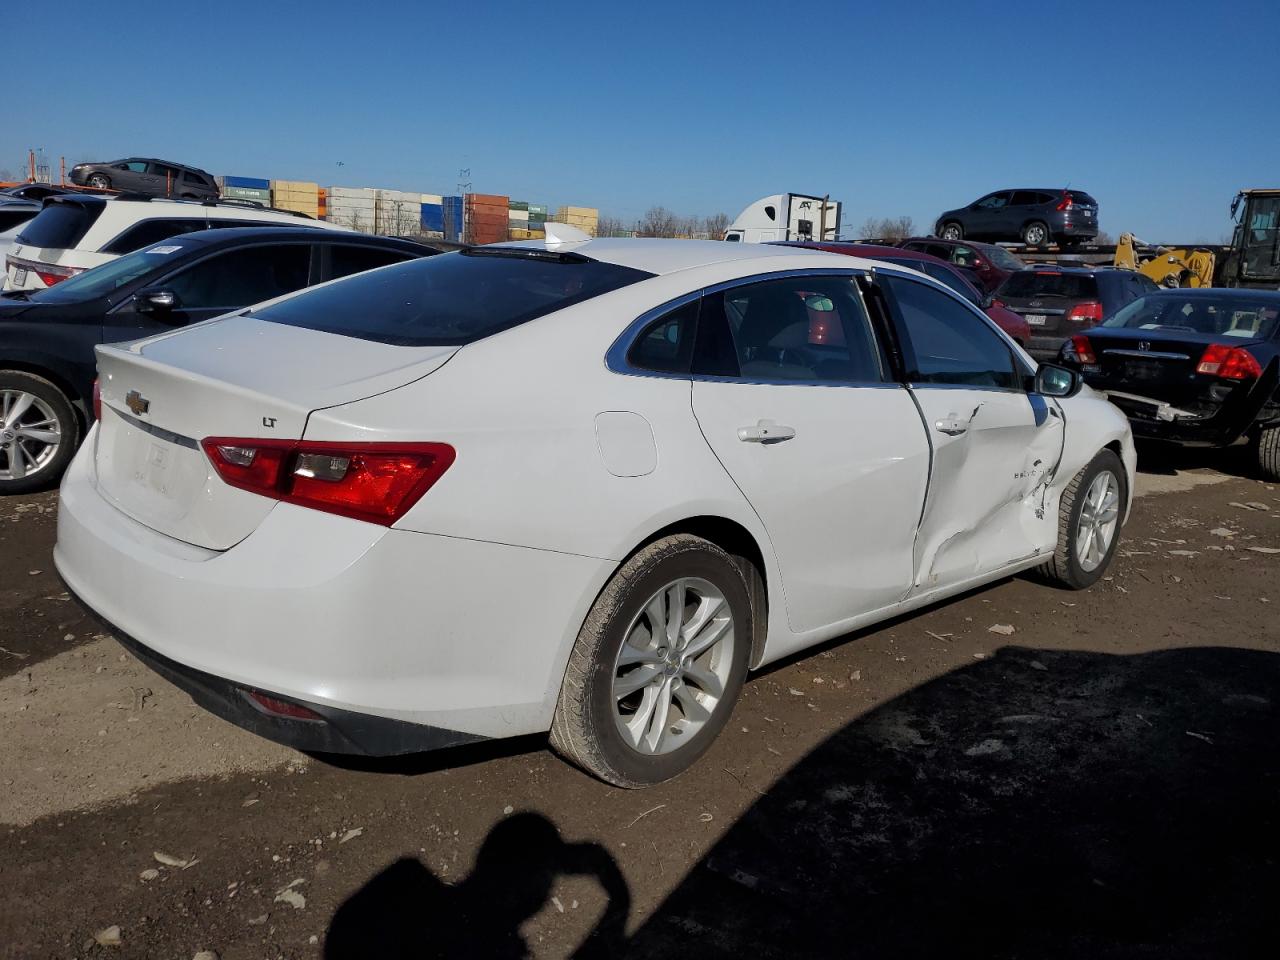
{"points": [[1161, 112]]}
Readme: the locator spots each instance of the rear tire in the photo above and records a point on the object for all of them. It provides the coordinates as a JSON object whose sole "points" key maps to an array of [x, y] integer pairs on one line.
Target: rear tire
{"points": [[1269, 452], [628, 662], [1089, 497], [1036, 234], [39, 432], [99, 181], [951, 231]]}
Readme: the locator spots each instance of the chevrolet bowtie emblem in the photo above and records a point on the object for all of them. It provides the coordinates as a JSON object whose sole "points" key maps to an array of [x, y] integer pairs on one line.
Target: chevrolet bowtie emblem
{"points": [[137, 402]]}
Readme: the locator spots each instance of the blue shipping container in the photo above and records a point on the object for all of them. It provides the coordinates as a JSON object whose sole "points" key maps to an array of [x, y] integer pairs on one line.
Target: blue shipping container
{"points": [[452, 210], [253, 183], [433, 217]]}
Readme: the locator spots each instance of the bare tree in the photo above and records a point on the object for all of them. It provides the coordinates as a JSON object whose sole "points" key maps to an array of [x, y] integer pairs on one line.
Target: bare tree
{"points": [[613, 227], [716, 224], [888, 228], [7, 175], [658, 222]]}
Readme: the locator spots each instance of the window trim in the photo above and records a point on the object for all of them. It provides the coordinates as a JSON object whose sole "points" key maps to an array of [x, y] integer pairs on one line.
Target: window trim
{"points": [[904, 341], [615, 358]]}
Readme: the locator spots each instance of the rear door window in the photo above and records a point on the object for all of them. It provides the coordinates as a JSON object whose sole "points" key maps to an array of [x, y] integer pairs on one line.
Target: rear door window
{"points": [[944, 275], [147, 232], [1025, 198], [345, 259], [1038, 283], [801, 329], [946, 342], [454, 298], [666, 345], [60, 226], [238, 278]]}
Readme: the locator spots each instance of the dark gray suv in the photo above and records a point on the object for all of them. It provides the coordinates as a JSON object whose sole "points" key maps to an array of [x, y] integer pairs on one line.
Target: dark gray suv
{"points": [[1036, 217], [152, 178]]}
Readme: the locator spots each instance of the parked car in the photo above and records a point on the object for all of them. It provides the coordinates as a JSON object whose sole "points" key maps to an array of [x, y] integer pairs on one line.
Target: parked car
{"points": [[986, 265], [1037, 216], [1058, 302], [560, 486], [34, 191], [147, 176], [14, 214], [946, 273], [1198, 367], [47, 338], [71, 234]]}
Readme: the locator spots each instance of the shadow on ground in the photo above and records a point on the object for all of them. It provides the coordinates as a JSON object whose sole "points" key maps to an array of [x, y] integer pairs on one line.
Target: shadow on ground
{"points": [[1039, 804], [1167, 459]]}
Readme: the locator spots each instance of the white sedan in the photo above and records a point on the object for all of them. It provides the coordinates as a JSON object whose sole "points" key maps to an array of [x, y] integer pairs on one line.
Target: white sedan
{"points": [[580, 486]]}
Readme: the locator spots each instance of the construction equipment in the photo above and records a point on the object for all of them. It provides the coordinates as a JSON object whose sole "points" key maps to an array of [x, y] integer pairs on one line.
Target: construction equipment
{"points": [[1181, 267], [1254, 257]]}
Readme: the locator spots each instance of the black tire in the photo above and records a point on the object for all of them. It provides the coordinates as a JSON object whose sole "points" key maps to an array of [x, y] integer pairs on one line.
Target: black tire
{"points": [[1269, 452], [951, 231], [584, 730], [51, 469], [99, 181], [1064, 567], [1038, 230]]}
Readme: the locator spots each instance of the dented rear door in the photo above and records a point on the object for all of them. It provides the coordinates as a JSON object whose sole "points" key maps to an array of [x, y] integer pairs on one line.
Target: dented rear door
{"points": [[994, 446]]}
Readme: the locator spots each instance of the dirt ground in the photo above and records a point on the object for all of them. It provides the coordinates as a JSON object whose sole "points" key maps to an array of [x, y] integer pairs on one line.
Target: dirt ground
{"points": [[1102, 781]]}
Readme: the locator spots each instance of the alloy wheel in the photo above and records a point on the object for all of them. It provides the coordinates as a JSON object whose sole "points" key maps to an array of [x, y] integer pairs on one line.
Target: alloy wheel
{"points": [[30, 434], [673, 667], [1099, 518]]}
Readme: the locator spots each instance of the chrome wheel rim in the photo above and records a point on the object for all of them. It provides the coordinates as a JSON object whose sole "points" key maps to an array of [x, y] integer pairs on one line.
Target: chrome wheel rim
{"points": [[1035, 236], [670, 675], [950, 233], [1099, 518], [30, 434]]}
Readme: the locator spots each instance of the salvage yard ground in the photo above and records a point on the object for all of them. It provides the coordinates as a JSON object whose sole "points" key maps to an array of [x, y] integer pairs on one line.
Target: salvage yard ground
{"points": [[1022, 771]]}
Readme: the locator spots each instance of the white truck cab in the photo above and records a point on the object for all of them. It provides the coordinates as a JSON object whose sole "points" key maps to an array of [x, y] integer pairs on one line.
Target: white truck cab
{"points": [[786, 216]]}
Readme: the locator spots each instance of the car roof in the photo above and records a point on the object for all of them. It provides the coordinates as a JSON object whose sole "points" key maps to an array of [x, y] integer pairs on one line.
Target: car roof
{"points": [[868, 251], [167, 163], [660, 256], [1218, 293], [233, 235]]}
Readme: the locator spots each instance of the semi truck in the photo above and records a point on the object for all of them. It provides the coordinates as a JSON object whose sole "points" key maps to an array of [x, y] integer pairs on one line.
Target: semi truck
{"points": [[786, 216]]}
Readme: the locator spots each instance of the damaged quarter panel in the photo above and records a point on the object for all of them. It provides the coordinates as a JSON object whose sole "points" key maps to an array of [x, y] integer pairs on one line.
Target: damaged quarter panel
{"points": [[1092, 423]]}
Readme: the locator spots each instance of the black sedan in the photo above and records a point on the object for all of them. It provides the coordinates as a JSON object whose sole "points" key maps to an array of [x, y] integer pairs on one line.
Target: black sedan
{"points": [[1192, 366], [47, 338]]}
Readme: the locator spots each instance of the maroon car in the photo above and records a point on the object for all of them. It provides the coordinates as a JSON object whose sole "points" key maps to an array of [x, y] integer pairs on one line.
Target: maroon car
{"points": [[985, 264], [944, 272]]}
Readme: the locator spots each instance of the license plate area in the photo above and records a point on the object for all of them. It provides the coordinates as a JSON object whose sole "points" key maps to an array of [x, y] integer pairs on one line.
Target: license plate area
{"points": [[19, 276], [1037, 319], [1145, 370]]}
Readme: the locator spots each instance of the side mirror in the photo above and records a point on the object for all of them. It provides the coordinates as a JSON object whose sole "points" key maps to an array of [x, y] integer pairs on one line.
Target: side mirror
{"points": [[1055, 381], [155, 301], [987, 300]]}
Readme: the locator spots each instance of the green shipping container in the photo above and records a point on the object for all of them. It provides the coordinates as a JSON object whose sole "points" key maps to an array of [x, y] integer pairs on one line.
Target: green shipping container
{"points": [[517, 205]]}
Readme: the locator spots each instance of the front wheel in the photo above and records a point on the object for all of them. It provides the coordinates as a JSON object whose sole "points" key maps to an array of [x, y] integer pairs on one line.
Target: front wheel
{"points": [[1089, 523], [658, 664], [38, 432], [100, 182]]}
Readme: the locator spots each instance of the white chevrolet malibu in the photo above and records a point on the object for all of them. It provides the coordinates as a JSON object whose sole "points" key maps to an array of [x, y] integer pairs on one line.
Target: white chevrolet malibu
{"points": [[580, 486]]}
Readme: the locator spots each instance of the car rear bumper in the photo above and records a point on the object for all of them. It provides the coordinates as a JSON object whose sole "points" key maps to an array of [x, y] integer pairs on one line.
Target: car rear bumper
{"points": [[1045, 347], [466, 638], [1153, 419], [1082, 231]]}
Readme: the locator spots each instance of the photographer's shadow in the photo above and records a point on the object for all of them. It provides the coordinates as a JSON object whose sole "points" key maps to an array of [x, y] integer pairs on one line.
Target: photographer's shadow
{"points": [[406, 911]]}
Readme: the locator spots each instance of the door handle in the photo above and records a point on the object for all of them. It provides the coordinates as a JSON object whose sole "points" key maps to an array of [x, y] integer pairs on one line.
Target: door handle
{"points": [[951, 426], [766, 431]]}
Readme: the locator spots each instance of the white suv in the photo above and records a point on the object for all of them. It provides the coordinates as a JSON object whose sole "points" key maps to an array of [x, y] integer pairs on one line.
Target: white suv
{"points": [[76, 233]]}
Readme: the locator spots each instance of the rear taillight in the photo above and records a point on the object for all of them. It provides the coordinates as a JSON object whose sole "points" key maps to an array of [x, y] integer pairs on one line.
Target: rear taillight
{"points": [[998, 303], [1065, 202], [1088, 312], [377, 482], [281, 708], [1083, 349], [48, 274], [97, 400], [1229, 363]]}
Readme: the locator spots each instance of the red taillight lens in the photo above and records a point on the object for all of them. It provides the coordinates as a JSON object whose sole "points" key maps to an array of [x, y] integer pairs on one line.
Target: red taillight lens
{"points": [[1065, 202], [1083, 349], [376, 482], [998, 303], [1087, 312], [1229, 363], [97, 400], [49, 278], [281, 708]]}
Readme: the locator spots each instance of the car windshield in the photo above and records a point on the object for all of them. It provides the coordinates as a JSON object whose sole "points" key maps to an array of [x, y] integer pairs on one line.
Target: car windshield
{"points": [[1251, 318], [451, 299], [102, 281], [1002, 258], [1046, 283]]}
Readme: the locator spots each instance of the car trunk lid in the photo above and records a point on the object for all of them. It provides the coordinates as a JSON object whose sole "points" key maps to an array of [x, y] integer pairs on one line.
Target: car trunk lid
{"points": [[161, 397]]}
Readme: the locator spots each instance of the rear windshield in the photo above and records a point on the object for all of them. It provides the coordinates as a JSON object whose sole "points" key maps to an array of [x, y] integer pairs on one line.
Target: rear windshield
{"points": [[1037, 283], [1002, 258], [1243, 317], [60, 226], [451, 299], [1078, 197]]}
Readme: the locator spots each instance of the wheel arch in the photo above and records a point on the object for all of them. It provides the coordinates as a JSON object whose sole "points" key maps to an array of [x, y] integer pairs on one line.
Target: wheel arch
{"points": [[78, 403]]}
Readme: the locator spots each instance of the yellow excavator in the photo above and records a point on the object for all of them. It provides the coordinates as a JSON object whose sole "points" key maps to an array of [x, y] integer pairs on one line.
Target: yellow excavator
{"points": [[1180, 267]]}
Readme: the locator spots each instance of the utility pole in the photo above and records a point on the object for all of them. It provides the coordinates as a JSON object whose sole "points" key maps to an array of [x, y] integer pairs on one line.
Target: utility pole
{"points": [[464, 187]]}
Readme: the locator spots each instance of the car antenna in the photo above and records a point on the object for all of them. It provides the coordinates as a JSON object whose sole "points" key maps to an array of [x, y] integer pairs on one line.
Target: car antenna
{"points": [[559, 234]]}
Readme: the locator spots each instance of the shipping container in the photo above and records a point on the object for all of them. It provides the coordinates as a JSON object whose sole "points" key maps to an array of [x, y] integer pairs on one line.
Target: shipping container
{"points": [[432, 198], [248, 193], [518, 205], [540, 208], [248, 183], [433, 217], [453, 217], [518, 216]]}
